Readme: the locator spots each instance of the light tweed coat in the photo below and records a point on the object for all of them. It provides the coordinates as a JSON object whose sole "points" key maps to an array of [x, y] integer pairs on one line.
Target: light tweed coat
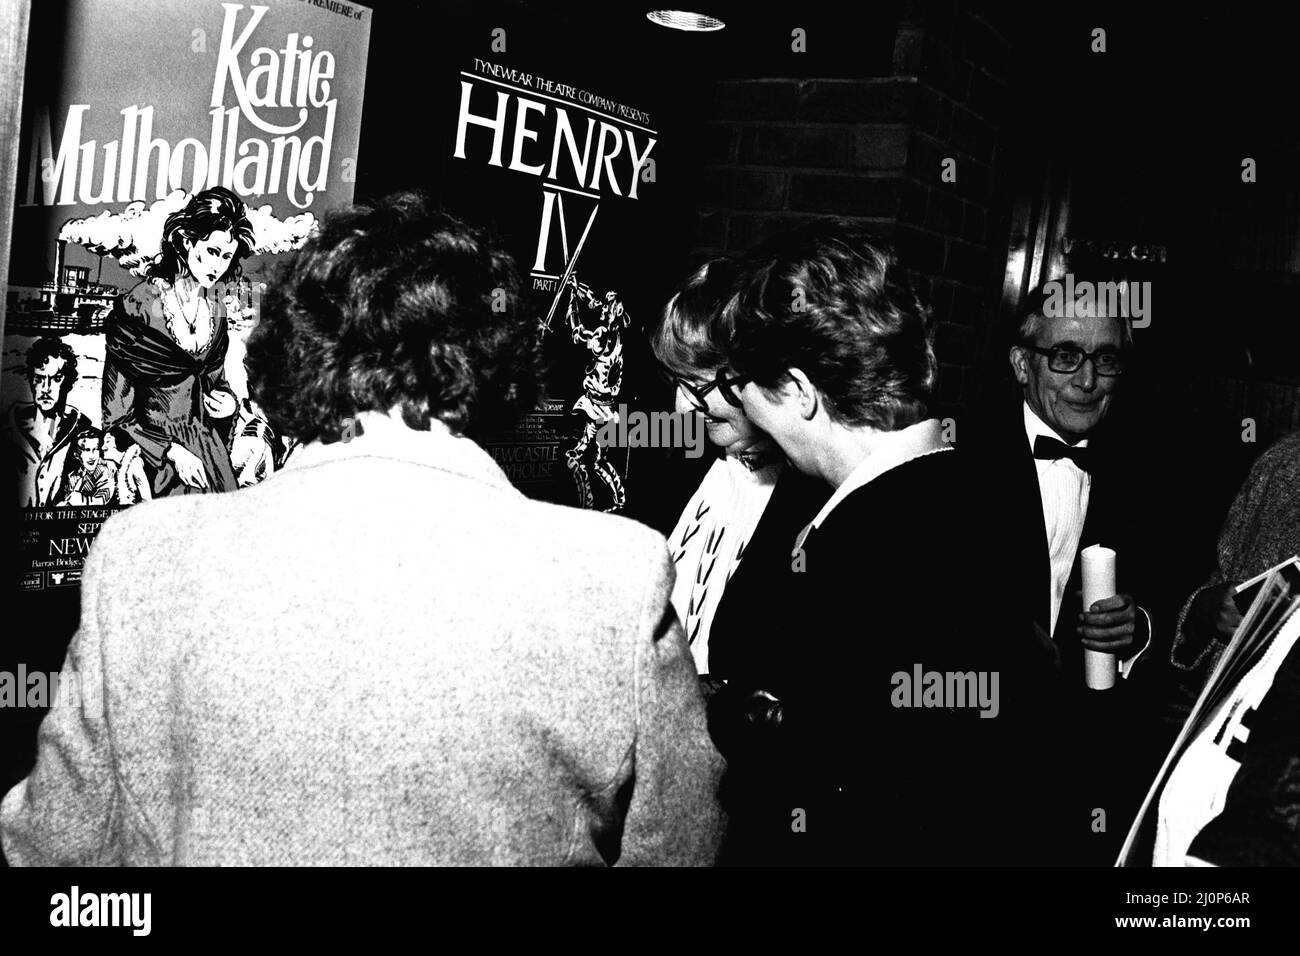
{"points": [[384, 654]]}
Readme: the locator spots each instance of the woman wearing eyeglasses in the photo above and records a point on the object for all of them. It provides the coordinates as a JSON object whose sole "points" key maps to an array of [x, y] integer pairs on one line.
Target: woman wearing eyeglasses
{"points": [[737, 504]]}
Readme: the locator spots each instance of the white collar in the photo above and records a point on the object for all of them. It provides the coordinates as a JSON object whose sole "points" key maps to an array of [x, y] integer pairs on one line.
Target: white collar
{"points": [[888, 450], [387, 436], [1035, 427]]}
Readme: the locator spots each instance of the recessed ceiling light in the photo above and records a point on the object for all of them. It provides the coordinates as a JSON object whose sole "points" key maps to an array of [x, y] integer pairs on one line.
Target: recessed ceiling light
{"points": [[685, 20]]}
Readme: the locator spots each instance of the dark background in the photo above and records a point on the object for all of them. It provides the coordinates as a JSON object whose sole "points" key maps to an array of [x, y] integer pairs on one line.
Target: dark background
{"points": [[1139, 145]]}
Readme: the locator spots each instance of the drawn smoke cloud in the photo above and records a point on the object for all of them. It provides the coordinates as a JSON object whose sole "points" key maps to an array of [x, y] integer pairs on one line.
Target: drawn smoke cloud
{"points": [[280, 235], [134, 236]]}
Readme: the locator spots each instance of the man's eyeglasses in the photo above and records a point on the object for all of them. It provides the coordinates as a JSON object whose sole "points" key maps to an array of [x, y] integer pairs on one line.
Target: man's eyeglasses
{"points": [[699, 396], [1070, 358]]}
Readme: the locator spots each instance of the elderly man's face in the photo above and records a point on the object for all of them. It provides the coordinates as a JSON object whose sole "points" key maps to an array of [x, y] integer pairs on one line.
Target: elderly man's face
{"points": [[47, 384], [1072, 403]]}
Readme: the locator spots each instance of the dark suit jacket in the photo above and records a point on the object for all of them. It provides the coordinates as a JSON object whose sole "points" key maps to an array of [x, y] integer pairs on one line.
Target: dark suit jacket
{"points": [[1103, 742]]}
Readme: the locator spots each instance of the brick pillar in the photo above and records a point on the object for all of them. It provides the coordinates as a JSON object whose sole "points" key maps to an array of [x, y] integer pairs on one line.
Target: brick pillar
{"points": [[779, 152]]}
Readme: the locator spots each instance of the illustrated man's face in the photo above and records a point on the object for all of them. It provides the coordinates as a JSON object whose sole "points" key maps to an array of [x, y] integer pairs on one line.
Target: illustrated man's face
{"points": [[1072, 403], [88, 450], [47, 384], [209, 259]]}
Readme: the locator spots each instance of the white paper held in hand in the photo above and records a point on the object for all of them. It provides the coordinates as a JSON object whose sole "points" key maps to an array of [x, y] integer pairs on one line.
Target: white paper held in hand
{"points": [[1099, 668]]}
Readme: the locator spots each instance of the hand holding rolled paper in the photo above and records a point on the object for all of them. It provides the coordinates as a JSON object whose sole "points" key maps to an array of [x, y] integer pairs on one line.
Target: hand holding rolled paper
{"points": [[1108, 624]]}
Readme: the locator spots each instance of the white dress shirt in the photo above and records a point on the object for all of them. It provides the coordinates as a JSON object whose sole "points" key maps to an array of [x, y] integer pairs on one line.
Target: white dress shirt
{"points": [[1064, 488]]}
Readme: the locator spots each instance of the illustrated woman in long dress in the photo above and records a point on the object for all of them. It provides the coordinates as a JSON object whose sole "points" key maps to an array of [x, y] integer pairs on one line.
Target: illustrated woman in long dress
{"points": [[165, 387]]}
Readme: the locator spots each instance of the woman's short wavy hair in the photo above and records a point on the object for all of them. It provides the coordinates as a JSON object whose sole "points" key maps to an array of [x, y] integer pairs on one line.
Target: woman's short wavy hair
{"points": [[695, 327], [825, 300], [394, 304]]}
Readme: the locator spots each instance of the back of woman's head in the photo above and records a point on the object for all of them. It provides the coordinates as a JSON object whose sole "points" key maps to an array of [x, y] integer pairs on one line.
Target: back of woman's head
{"points": [[694, 329], [394, 304], [826, 300]]}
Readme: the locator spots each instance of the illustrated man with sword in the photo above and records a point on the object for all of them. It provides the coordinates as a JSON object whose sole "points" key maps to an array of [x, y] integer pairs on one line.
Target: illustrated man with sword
{"points": [[597, 324]]}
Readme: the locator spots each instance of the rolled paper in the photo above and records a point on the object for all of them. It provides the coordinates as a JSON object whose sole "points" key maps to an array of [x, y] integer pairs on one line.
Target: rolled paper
{"points": [[1099, 668]]}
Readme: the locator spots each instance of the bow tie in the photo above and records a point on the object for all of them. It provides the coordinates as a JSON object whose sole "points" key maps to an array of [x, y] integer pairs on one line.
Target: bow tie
{"points": [[1050, 448]]}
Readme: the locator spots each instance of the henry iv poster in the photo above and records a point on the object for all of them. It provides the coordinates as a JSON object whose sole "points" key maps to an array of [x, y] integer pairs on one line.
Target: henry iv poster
{"points": [[170, 151]]}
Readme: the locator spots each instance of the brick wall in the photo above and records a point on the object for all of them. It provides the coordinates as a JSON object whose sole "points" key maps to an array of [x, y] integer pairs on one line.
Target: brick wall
{"points": [[781, 151]]}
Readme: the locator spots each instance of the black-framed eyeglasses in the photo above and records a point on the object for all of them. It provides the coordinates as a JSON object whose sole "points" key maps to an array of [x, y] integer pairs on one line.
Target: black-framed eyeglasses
{"points": [[700, 396], [1070, 358]]}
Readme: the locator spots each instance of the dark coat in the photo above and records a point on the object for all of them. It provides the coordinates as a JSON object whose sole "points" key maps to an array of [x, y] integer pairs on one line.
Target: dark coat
{"points": [[839, 773], [763, 575]]}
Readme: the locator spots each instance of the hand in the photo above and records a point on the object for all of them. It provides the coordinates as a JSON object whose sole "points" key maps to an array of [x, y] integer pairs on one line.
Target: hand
{"points": [[581, 288], [220, 404], [1214, 613], [1110, 626], [743, 723], [188, 467]]}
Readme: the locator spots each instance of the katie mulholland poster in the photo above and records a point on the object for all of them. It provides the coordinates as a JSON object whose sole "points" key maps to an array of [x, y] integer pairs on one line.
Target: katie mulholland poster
{"points": [[166, 158]]}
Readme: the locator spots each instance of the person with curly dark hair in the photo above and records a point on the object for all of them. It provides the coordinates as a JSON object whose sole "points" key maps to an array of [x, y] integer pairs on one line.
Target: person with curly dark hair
{"points": [[866, 715], [402, 666], [423, 318], [165, 387]]}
